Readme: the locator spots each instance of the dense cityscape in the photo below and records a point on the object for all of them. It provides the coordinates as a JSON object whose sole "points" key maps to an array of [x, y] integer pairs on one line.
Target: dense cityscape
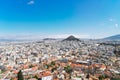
{"points": [[54, 59], [59, 39]]}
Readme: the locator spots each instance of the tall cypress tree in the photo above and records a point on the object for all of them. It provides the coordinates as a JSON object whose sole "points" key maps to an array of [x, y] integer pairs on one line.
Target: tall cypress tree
{"points": [[20, 75]]}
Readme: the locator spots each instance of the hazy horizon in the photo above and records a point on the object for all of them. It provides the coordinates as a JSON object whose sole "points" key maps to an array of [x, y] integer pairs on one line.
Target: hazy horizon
{"points": [[34, 19]]}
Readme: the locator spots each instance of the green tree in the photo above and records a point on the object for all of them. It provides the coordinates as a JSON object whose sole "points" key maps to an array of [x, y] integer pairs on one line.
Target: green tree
{"points": [[47, 66], [20, 75], [53, 69], [88, 76], [101, 77], [68, 69], [36, 77], [115, 78], [52, 63]]}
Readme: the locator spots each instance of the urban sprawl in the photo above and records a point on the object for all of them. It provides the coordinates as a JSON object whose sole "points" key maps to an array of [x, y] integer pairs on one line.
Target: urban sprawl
{"points": [[52, 59]]}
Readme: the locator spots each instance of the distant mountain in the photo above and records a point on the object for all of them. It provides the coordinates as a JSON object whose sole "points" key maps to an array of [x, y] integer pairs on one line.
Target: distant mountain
{"points": [[12, 40], [49, 39], [7, 40], [71, 38], [115, 37]]}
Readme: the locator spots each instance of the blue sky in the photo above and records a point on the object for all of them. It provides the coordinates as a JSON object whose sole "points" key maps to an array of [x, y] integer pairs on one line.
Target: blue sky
{"points": [[55, 18]]}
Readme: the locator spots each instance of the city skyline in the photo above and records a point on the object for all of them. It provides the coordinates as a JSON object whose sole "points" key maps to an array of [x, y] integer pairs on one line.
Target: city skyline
{"points": [[61, 18]]}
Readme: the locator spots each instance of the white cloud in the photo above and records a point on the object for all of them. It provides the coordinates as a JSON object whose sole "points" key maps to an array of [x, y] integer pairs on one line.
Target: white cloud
{"points": [[110, 19], [67, 35], [114, 22], [31, 2], [116, 25]]}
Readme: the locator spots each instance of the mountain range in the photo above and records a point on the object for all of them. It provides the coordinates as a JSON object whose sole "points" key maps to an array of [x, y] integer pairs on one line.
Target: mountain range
{"points": [[70, 38], [114, 37]]}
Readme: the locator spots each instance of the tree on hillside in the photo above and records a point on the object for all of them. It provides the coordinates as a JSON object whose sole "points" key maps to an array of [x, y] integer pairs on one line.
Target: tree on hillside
{"points": [[20, 75]]}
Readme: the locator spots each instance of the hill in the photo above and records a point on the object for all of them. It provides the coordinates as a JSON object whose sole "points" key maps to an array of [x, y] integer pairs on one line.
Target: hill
{"points": [[71, 38], [115, 37]]}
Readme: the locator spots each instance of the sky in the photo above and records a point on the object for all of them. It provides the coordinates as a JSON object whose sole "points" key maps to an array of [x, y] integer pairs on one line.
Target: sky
{"points": [[59, 18]]}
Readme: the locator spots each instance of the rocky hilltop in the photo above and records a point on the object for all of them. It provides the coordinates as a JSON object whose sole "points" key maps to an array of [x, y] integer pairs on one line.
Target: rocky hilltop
{"points": [[71, 38]]}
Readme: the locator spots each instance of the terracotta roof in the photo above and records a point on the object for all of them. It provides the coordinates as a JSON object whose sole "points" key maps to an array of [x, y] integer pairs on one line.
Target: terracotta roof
{"points": [[15, 72], [15, 79], [34, 68], [45, 73], [25, 66], [102, 66]]}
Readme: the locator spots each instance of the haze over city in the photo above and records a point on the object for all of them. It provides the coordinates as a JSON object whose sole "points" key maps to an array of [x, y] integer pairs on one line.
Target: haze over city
{"points": [[33, 19], [59, 39]]}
